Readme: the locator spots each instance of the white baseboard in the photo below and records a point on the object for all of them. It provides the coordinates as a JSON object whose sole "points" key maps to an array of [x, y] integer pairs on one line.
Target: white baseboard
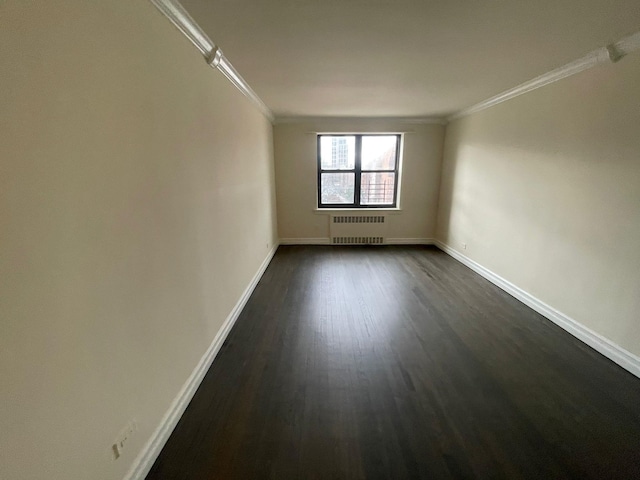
{"points": [[305, 241], [606, 347], [410, 241], [151, 450]]}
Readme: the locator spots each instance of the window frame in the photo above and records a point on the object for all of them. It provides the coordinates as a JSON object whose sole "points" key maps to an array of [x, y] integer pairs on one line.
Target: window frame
{"points": [[357, 171]]}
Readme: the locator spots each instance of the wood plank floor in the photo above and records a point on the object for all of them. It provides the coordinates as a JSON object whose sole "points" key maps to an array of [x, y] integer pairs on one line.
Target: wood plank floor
{"points": [[398, 363]]}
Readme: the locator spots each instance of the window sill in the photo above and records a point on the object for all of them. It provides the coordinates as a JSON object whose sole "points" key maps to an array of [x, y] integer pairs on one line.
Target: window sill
{"points": [[331, 211]]}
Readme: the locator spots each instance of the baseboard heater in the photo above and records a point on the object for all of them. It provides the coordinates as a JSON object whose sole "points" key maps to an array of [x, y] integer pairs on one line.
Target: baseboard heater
{"points": [[357, 229]]}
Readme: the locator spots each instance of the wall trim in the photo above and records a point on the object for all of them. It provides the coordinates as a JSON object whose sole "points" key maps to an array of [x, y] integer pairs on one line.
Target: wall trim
{"points": [[606, 347], [349, 120], [357, 211], [143, 463], [609, 53], [176, 13], [305, 241], [410, 241]]}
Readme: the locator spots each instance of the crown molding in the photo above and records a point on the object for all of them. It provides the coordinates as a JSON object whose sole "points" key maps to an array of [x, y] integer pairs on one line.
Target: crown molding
{"points": [[234, 77], [213, 55], [405, 120], [609, 53], [187, 25]]}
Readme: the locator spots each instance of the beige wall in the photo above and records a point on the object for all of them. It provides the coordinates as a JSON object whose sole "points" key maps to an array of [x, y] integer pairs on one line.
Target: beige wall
{"points": [[545, 191], [295, 150], [136, 205]]}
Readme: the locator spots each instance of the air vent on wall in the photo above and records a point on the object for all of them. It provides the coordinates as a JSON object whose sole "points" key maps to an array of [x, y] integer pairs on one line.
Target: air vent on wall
{"points": [[358, 219], [358, 229], [357, 240]]}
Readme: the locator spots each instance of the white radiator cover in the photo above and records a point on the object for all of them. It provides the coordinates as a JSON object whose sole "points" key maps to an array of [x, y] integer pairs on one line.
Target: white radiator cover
{"points": [[358, 229]]}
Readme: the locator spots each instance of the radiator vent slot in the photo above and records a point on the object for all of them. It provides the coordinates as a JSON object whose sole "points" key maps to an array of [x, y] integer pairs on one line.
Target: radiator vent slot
{"points": [[357, 240], [358, 219], [358, 229]]}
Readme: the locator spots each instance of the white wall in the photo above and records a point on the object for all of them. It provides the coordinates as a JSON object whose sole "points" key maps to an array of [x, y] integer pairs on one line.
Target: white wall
{"points": [[545, 191], [295, 150], [136, 204]]}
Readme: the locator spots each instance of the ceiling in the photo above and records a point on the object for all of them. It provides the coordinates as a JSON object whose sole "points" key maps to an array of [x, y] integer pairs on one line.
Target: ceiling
{"points": [[402, 58]]}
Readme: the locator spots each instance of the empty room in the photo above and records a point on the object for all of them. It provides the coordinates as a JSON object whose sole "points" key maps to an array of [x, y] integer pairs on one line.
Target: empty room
{"points": [[319, 239]]}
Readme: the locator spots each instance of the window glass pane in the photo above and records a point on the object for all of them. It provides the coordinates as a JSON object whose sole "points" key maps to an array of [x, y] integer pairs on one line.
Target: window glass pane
{"points": [[337, 187], [377, 188], [337, 153], [379, 152]]}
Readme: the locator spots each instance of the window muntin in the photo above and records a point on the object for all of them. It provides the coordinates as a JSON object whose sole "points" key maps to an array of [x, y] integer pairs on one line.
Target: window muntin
{"points": [[358, 171]]}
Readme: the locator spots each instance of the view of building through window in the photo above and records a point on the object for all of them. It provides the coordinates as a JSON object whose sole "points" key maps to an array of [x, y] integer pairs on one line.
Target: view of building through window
{"points": [[378, 153], [357, 170], [339, 152]]}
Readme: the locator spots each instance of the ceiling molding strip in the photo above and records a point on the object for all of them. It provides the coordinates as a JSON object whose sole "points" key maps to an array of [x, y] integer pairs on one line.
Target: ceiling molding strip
{"points": [[176, 13], [610, 53], [351, 120]]}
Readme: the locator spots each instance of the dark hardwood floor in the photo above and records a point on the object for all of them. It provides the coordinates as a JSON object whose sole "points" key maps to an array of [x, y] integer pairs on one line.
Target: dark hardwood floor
{"points": [[398, 363]]}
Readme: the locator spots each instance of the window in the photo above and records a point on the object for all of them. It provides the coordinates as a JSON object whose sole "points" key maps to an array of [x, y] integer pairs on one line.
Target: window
{"points": [[358, 171]]}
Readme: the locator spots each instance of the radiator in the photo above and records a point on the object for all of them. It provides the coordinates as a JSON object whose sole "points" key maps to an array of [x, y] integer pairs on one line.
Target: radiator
{"points": [[357, 229]]}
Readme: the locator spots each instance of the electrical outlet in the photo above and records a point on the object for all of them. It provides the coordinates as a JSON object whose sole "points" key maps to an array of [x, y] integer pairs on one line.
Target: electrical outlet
{"points": [[122, 439]]}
